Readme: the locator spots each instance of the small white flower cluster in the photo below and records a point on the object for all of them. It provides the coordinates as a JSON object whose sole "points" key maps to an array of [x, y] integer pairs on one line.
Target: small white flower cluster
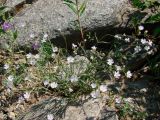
{"points": [[119, 100], [52, 85], [25, 96], [96, 93], [54, 50], [147, 46], [32, 58], [116, 73], [127, 39], [137, 49]]}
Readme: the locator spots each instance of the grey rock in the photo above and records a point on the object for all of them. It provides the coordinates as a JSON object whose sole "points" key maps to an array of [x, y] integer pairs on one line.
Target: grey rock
{"points": [[13, 3], [76, 68], [50, 16], [62, 110]]}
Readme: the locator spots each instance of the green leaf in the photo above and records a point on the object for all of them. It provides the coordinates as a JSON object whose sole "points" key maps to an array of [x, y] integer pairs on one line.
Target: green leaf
{"points": [[47, 48], [15, 34], [138, 4], [153, 18], [3, 9], [156, 32], [82, 8], [71, 5]]}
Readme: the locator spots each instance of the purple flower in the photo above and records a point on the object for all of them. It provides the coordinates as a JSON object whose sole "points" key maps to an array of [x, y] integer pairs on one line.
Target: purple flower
{"points": [[6, 26], [35, 45]]}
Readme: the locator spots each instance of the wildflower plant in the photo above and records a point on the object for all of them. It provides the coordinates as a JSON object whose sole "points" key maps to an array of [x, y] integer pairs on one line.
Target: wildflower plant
{"points": [[55, 71]]}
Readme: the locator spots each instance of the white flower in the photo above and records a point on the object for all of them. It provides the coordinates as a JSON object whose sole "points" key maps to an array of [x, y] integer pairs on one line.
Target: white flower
{"points": [[95, 94], [140, 27], [129, 99], [20, 99], [127, 39], [10, 81], [29, 55], [8, 90], [50, 117], [94, 48], [147, 48], [93, 85], [73, 78], [118, 37], [143, 41], [150, 52], [110, 61], [143, 90], [27, 78], [53, 85], [118, 68], [37, 56], [118, 100], [6, 66], [74, 45], [46, 82], [103, 88], [26, 95], [45, 36], [117, 74], [10, 78], [32, 61], [53, 55], [70, 59], [32, 35], [150, 42], [59, 29], [17, 66], [55, 49], [129, 74], [91, 57], [137, 49], [70, 90]]}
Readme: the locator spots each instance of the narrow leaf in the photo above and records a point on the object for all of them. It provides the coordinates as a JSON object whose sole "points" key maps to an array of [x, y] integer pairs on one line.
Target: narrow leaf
{"points": [[82, 8], [71, 5]]}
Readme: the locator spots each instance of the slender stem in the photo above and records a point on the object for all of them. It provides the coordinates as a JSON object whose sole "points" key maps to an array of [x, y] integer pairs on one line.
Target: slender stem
{"points": [[79, 22]]}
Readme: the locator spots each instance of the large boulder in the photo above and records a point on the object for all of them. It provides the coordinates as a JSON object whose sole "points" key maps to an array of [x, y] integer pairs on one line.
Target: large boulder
{"points": [[61, 109], [50, 16]]}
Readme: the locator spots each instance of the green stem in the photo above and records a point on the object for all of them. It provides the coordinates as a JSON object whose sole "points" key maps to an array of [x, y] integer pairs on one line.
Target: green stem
{"points": [[79, 23]]}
